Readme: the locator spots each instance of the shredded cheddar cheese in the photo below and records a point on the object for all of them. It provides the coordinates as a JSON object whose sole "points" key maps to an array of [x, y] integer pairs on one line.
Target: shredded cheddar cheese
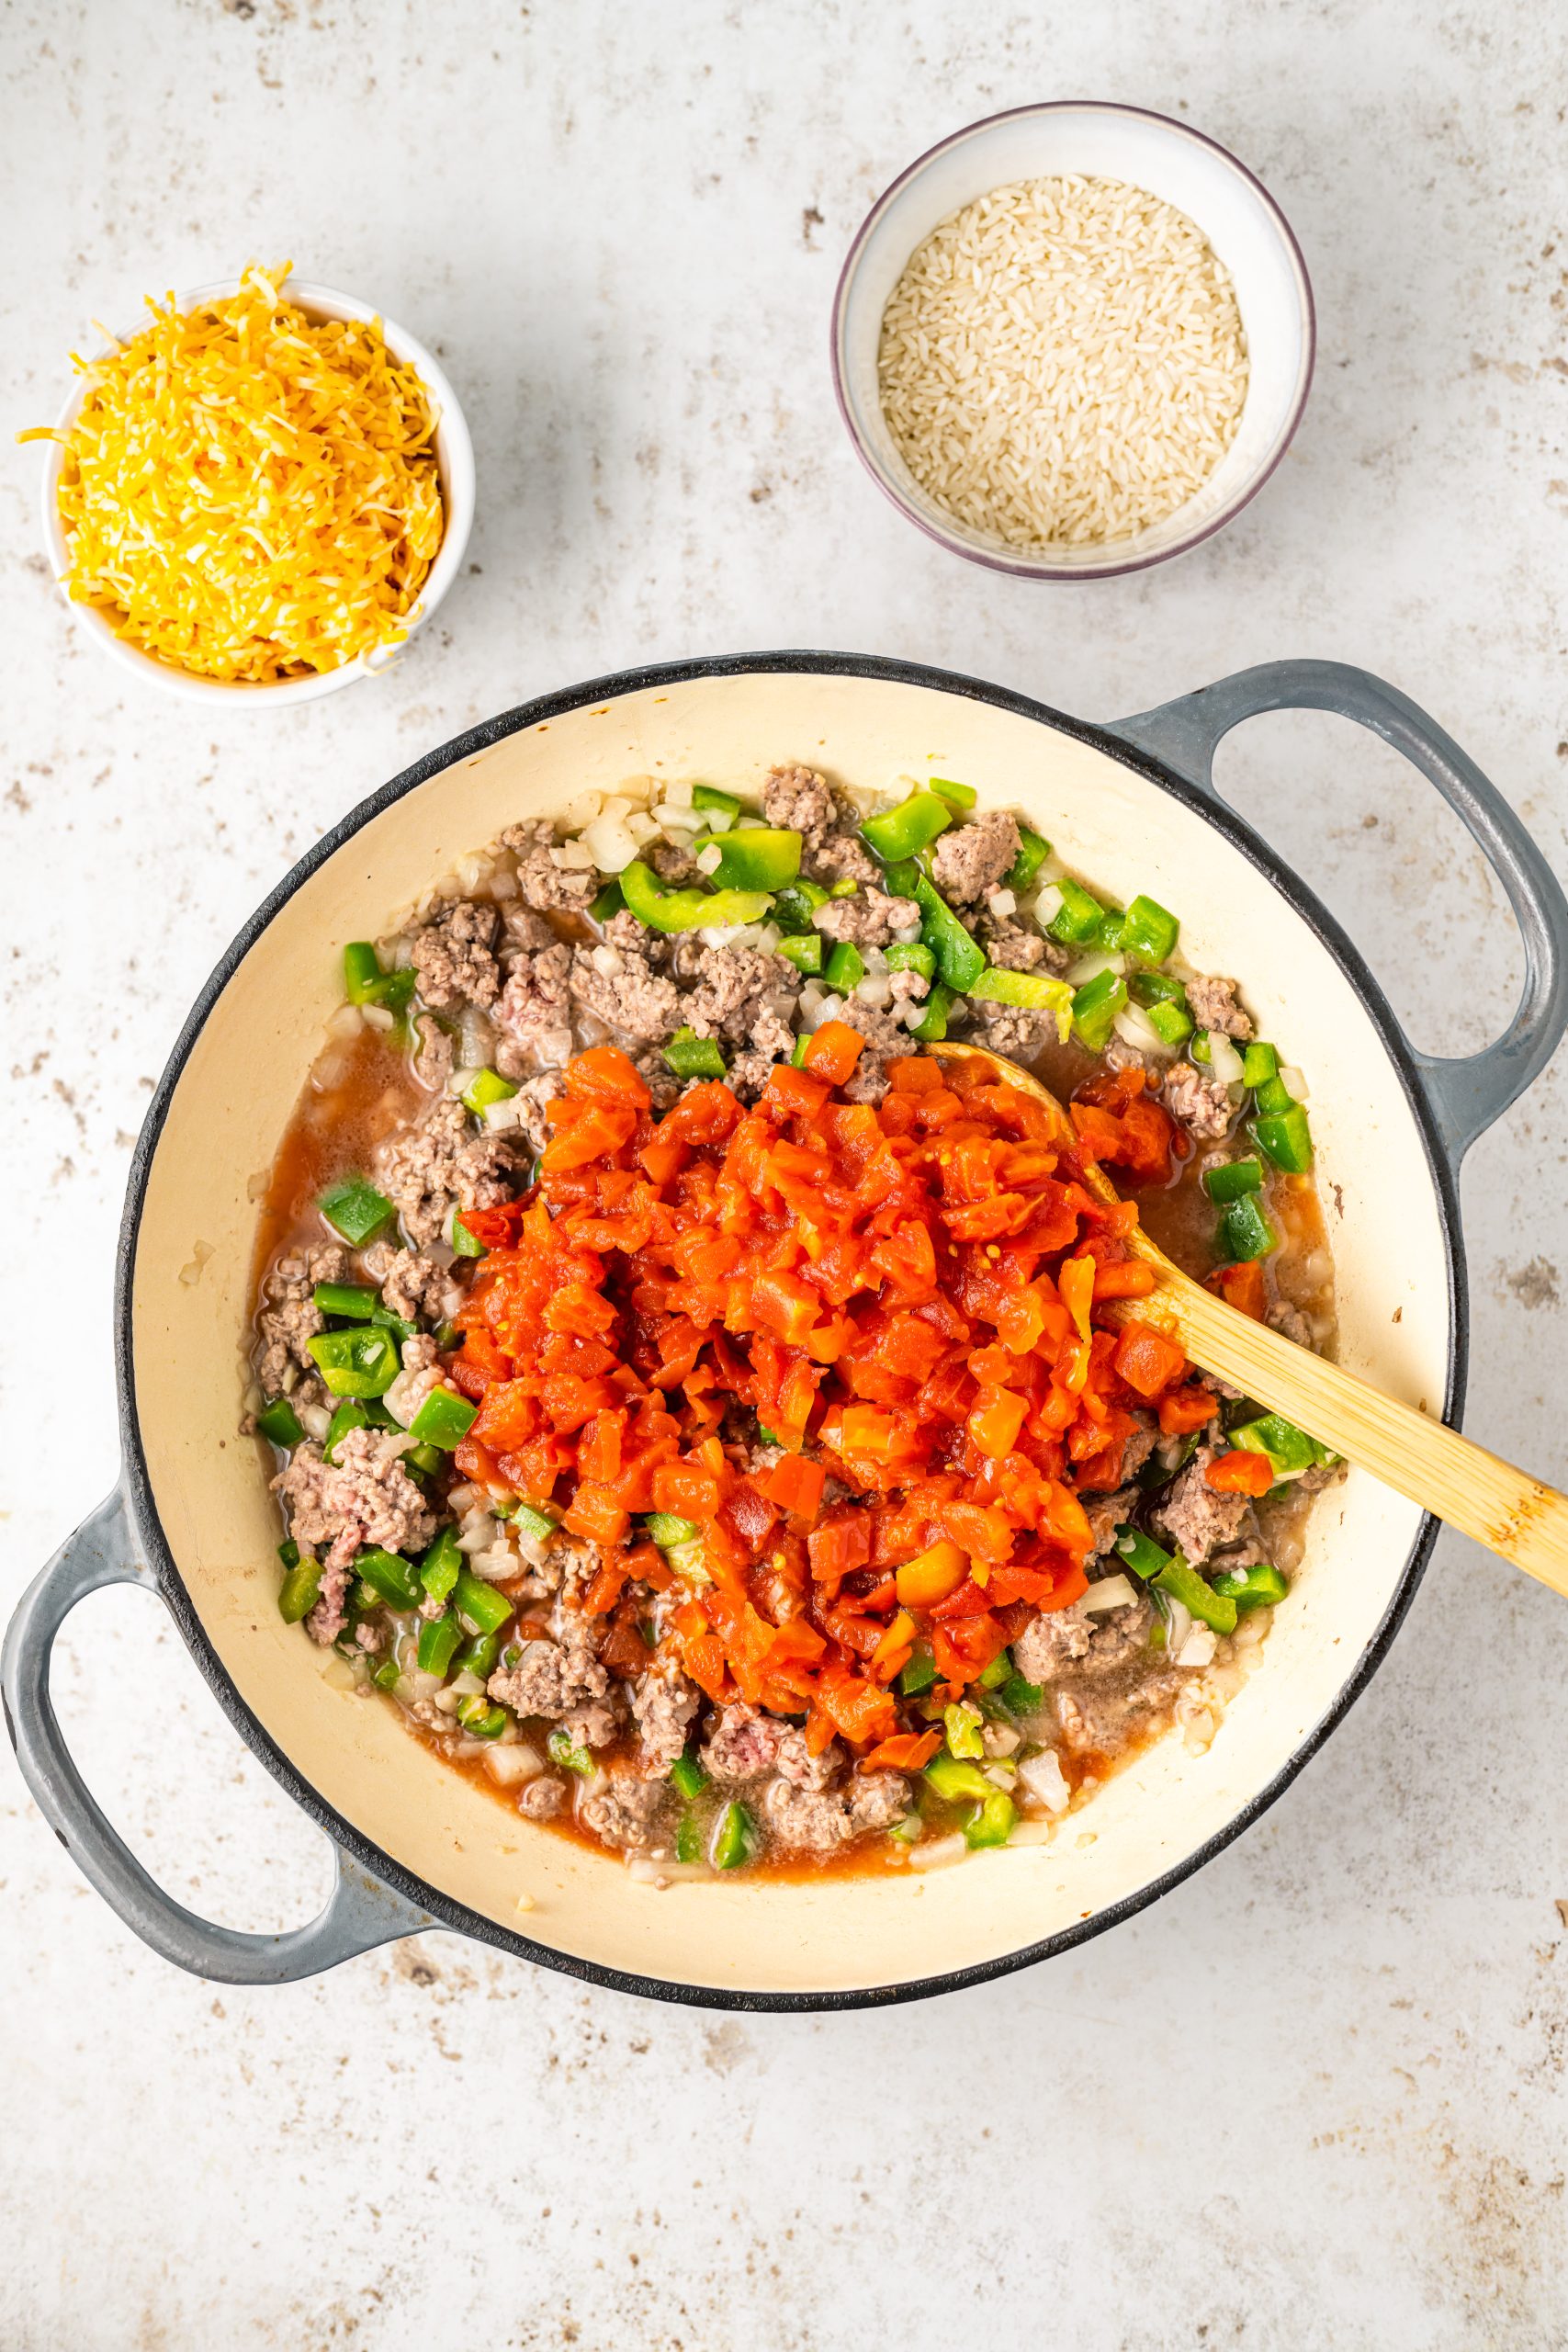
{"points": [[250, 494]]}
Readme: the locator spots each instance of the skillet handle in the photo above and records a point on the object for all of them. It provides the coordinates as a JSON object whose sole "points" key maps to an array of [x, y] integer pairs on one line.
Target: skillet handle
{"points": [[1469, 1092], [359, 1914]]}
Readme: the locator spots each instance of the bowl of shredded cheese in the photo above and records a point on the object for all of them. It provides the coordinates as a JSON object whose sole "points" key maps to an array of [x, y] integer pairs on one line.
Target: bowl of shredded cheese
{"points": [[258, 494]]}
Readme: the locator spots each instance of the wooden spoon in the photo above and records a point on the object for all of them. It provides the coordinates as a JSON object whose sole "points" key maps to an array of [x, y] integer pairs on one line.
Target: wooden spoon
{"points": [[1513, 1514]]}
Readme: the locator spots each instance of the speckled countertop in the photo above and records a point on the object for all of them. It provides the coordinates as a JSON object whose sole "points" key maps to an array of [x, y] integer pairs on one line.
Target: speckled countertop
{"points": [[1316, 2097]]}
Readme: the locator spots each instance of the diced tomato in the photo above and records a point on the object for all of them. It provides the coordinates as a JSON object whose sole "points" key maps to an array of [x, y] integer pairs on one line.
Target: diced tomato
{"points": [[1240, 1472], [833, 1051], [1243, 1287], [1148, 1360], [605, 1074], [905, 1752], [1187, 1408], [796, 1485]]}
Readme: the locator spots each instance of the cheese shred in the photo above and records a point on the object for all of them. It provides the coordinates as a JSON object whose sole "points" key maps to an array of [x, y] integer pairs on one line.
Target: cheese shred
{"points": [[250, 494]]}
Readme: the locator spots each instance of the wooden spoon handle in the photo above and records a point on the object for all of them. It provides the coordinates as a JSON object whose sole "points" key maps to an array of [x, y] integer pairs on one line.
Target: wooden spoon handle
{"points": [[1512, 1513]]}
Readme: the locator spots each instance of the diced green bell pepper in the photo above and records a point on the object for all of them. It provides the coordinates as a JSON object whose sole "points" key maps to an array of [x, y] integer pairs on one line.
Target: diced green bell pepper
{"points": [[480, 1718], [798, 1056], [993, 1676], [1078, 918], [356, 1301], [954, 1781], [961, 1725], [443, 1419], [1183, 1583], [1199, 1050], [365, 982], [1289, 1449], [958, 958], [931, 1025], [1170, 1021], [479, 1655], [1149, 930], [289, 1552], [911, 955], [793, 908], [362, 1363], [1272, 1099], [350, 1415], [994, 1822], [356, 1210], [689, 1840], [563, 1749], [1286, 1137], [909, 828], [1019, 1696], [761, 857], [388, 1675], [300, 1591], [442, 1566], [1107, 936], [804, 950], [422, 1460], [664, 1529], [391, 1577], [1260, 1063], [957, 796], [534, 1522], [1095, 1007], [609, 902], [690, 1055], [1036, 991], [708, 795], [663, 909], [1261, 1586], [278, 1421], [486, 1087], [1033, 849], [846, 967], [440, 1639], [1142, 1555], [479, 1604], [898, 879], [1233, 1178], [1154, 988], [1245, 1232], [687, 1777], [733, 1838], [464, 1243], [919, 1674]]}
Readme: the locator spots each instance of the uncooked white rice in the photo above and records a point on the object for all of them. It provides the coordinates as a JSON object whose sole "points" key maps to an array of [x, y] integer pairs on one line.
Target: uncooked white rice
{"points": [[1063, 362]]}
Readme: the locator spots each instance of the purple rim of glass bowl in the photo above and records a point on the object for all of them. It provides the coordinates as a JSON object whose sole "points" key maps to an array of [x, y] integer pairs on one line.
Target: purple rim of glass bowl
{"points": [[1000, 561]]}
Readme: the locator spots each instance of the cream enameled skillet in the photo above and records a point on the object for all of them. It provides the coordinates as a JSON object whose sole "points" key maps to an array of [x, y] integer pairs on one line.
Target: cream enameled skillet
{"points": [[1132, 804]]}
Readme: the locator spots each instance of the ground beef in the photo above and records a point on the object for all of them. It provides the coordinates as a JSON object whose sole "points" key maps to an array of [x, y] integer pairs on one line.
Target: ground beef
{"points": [[552, 1677], [1102, 1718], [1016, 947], [1075, 1644], [655, 1074], [672, 861], [288, 1318], [662, 1709], [871, 919], [1009, 1029], [1140, 1444], [419, 1375], [542, 1797], [969, 860], [367, 1497], [816, 1821], [546, 886], [455, 955], [625, 1811], [417, 1287], [432, 1056], [773, 1040], [625, 932], [525, 932], [532, 1097], [1196, 1519], [327, 1620], [832, 849], [534, 1011], [1290, 1320], [441, 1165], [742, 1743], [799, 799], [1105, 1514], [886, 1039], [732, 986], [634, 1000], [796, 1762], [1200, 1102], [1214, 1006]]}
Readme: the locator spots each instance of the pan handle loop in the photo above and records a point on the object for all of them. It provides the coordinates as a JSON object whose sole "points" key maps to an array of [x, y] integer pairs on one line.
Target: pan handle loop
{"points": [[359, 1914], [1468, 1093]]}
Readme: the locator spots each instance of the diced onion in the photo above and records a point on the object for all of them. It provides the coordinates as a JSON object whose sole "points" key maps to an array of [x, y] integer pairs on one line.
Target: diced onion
{"points": [[709, 860], [582, 810], [1002, 902], [647, 1873], [514, 1764], [1294, 1084], [1110, 1592], [1089, 967], [1042, 1777], [677, 796], [575, 856], [316, 1420], [716, 821], [908, 934], [1136, 1030], [936, 1853], [876, 989], [1198, 1648], [609, 840], [1047, 905], [641, 826], [1224, 1062]]}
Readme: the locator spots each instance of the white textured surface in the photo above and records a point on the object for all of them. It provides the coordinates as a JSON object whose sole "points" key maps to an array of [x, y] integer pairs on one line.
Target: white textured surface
{"points": [[1315, 2098]]}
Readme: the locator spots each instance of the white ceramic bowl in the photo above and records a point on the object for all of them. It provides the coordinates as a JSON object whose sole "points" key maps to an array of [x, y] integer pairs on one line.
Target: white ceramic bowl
{"points": [[455, 462], [1241, 220]]}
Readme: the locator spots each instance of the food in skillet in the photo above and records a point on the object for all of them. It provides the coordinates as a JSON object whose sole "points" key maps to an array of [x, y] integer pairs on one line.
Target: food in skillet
{"points": [[694, 1409]]}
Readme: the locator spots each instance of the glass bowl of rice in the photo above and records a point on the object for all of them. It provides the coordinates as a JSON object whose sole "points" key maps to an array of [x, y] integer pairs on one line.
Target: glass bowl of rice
{"points": [[1073, 340]]}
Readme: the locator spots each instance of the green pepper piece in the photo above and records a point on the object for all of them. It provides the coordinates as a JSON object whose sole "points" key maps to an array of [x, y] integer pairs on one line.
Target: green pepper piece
{"points": [[479, 1604], [804, 950], [609, 902], [1034, 991], [388, 1675], [997, 1673], [687, 1776], [689, 1840], [1154, 988], [1273, 1099], [464, 1243], [391, 1577], [1143, 1556], [361, 971], [670, 910], [1233, 1178], [1261, 1586], [793, 908], [301, 1590], [1149, 930], [355, 1209], [1183, 1583], [443, 1419], [911, 955], [957, 796], [1095, 1007], [1019, 1696], [1289, 1449], [898, 879], [363, 1363], [958, 958], [690, 1055], [1107, 936], [1170, 1021], [440, 1639], [708, 795], [846, 967], [1198, 1050], [564, 1750], [919, 1674], [664, 1529], [289, 1552], [733, 1838], [903, 831], [954, 1781], [487, 1086], [932, 1023], [479, 1718], [960, 1725], [1033, 849], [442, 1566], [1078, 918], [1287, 1139], [479, 1655], [534, 1522], [797, 1056], [994, 1822], [350, 1415], [1245, 1232], [278, 1421], [1260, 1063], [355, 1301], [760, 858], [422, 1460]]}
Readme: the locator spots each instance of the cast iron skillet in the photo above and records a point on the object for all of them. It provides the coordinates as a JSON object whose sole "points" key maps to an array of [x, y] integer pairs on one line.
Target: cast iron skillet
{"points": [[1454, 1100]]}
